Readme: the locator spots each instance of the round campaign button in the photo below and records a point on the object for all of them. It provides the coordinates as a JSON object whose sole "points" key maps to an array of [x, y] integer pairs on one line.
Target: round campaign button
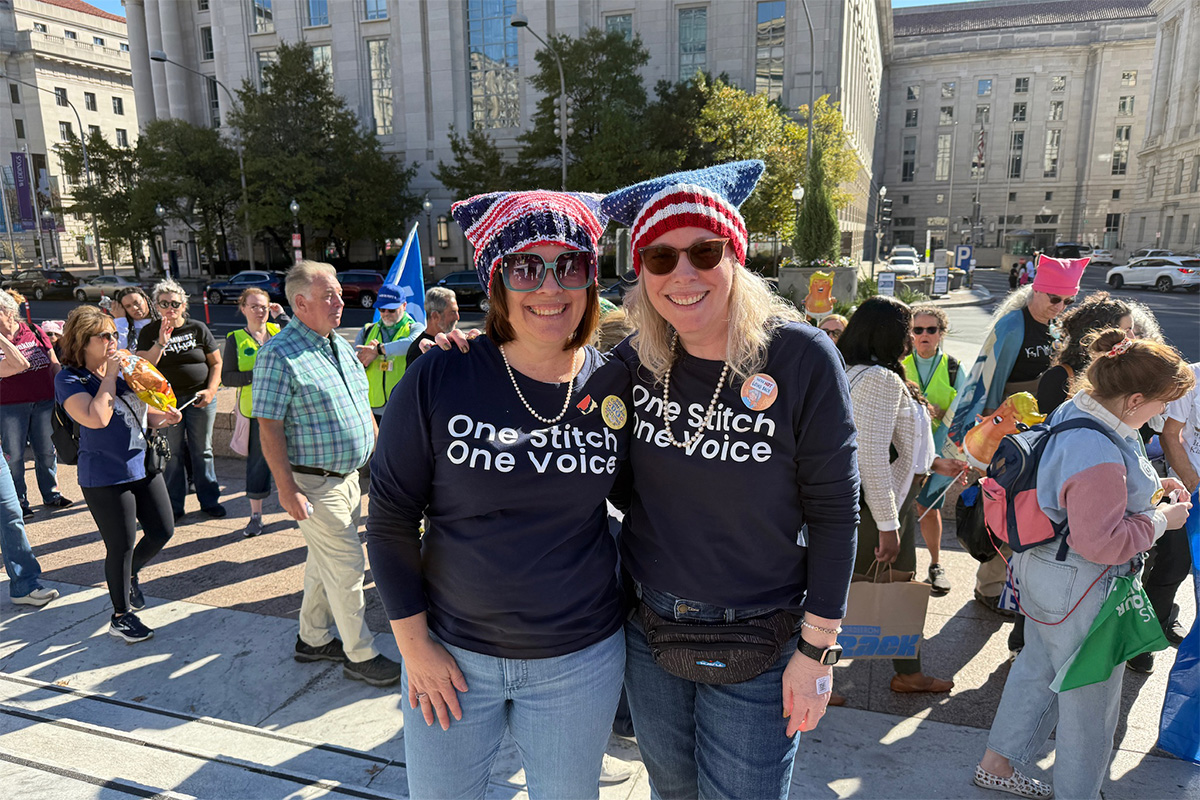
{"points": [[759, 391], [612, 410]]}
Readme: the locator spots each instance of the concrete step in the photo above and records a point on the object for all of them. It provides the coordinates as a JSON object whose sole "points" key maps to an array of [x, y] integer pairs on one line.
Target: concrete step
{"points": [[78, 743]]}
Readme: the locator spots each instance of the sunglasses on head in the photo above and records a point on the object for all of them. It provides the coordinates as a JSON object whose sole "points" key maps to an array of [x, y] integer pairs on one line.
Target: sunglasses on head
{"points": [[661, 259], [1060, 300], [526, 272], [169, 304], [932, 330], [108, 336]]}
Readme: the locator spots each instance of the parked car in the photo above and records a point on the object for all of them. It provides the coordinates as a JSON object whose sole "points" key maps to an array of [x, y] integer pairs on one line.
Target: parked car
{"points": [[1164, 273], [42, 283], [1149, 252], [1100, 256], [904, 265], [466, 288], [102, 286], [1068, 250], [270, 282], [906, 250], [360, 287]]}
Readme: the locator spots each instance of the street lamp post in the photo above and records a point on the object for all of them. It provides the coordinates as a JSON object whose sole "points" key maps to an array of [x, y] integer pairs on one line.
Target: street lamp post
{"points": [[87, 165], [49, 224], [878, 228], [159, 55], [297, 242], [797, 198], [428, 206], [161, 213], [521, 21]]}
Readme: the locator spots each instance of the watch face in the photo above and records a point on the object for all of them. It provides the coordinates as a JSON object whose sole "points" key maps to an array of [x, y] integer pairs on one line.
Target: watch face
{"points": [[832, 655]]}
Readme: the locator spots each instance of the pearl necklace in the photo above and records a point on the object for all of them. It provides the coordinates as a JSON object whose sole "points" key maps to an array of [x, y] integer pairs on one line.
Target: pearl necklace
{"points": [[712, 404], [529, 408]]}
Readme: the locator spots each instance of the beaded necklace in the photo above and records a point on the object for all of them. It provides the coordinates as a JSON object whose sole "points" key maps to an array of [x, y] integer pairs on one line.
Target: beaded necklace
{"points": [[712, 404], [529, 408]]}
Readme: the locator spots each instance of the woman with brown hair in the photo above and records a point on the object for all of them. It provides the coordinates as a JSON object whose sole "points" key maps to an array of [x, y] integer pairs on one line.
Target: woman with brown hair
{"points": [[1096, 312], [1101, 484], [113, 424]]}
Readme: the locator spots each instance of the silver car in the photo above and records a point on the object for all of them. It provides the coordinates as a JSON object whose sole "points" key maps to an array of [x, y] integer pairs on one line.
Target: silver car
{"points": [[101, 286]]}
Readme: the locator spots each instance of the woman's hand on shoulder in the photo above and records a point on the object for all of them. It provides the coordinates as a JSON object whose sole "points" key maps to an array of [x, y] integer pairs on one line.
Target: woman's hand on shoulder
{"points": [[448, 341]]}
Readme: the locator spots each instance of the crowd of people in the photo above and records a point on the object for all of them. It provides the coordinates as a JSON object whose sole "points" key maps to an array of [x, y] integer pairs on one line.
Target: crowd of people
{"points": [[502, 464]]}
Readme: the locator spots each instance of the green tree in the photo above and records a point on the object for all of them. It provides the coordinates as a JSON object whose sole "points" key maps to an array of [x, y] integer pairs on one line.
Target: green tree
{"points": [[301, 142], [673, 139], [819, 236], [479, 166]]}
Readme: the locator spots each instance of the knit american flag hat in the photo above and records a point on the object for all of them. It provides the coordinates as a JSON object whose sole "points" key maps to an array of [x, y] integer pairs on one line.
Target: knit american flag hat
{"points": [[500, 223], [702, 198]]}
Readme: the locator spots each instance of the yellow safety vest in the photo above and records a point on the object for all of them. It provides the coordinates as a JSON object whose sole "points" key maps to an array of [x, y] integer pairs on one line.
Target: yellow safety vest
{"points": [[940, 391], [386, 371], [247, 352]]}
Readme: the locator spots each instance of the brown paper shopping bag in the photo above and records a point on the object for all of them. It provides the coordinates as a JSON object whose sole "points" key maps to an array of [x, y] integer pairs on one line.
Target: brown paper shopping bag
{"points": [[885, 617]]}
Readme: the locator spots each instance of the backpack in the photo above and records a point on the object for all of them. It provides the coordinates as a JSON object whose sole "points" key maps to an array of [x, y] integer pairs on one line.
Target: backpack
{"points": [[64, 432], [1010, 502]]}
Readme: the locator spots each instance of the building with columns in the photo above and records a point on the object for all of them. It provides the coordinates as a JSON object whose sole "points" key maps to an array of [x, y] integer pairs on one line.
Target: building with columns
{"points": [[412, 70], [59, 58], [1167, 212]]}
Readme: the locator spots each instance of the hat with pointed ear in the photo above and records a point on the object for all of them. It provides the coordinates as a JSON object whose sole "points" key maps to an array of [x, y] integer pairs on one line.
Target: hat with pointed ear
{"points": [[1059, 275], [701, 198], [511, 222]]}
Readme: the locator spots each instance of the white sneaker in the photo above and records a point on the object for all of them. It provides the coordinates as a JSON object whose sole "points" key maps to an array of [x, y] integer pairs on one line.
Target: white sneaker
{"points": [[36, 598], [614, 770]]}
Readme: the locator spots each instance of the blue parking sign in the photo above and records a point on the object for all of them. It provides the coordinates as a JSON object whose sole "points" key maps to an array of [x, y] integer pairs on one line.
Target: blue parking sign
{"points": [[962, 256]]}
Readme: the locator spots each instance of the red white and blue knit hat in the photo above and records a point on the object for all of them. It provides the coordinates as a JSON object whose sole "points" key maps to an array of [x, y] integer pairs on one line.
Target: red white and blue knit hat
{"points": [[511, 222], [702, 198]]}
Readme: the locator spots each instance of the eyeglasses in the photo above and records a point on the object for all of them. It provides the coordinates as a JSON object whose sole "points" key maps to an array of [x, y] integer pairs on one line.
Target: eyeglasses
{"points": [[661, 259], [834, 333], [932, 330], [526, 272], [169, 304], [259, 309], [108, 336], [1059, 300]]}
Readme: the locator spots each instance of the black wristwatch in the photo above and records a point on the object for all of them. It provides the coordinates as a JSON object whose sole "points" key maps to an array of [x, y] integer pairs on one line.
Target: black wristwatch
{"points": [[827, 656]]}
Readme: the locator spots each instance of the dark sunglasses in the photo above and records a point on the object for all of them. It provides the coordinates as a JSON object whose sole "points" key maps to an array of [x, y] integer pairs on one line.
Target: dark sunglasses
{"points": [[526, 272], [834, 333], [660, 259], [1057, 299], [932, 330], [169, 304], [108, 336]]}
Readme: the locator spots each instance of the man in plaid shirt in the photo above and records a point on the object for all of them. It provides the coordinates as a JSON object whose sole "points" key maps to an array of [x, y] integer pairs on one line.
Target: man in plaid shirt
{"points": [[309, 394]]}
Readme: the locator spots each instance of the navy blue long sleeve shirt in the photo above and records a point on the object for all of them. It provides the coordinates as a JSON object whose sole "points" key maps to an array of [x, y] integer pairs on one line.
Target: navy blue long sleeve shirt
{"points": [[719, 523], [516, 560]]}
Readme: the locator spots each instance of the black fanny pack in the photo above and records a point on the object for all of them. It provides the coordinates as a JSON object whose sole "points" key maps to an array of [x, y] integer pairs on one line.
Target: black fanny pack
{"points": [[717, 652]]}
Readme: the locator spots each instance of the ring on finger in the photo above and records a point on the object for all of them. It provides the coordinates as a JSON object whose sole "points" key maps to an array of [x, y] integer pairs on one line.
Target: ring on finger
{"points": [[422, 696]]}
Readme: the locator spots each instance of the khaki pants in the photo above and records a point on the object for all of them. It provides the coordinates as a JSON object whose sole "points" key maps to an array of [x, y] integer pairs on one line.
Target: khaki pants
{"points": [[333, 573], [990, 579]]}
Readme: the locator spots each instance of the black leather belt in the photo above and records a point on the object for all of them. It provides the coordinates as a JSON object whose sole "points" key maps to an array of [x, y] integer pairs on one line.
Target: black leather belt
{"points": [[323, 473]]}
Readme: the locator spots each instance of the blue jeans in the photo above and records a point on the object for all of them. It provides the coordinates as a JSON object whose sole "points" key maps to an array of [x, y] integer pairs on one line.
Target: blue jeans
{"points": [[258, 474], [1086, 717], [197, 425], [30, 422], [19, 562], [707, 741], [559, 711]]}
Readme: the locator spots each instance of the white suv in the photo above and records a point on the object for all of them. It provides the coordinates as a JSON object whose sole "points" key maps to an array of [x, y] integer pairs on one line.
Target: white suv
{"points": [[1163, 273]]}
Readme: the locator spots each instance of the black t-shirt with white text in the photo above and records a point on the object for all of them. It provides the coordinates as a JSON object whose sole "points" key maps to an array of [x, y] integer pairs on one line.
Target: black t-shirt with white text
{"points": [[184, 360], [1036, 349]]}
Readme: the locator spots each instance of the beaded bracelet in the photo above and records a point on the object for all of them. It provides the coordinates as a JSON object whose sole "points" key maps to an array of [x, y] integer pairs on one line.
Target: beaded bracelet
{"points": [[831, 631]]}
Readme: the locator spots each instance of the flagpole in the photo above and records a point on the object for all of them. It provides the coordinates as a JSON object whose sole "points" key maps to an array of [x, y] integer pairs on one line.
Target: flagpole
{"points": [[977, 238]]}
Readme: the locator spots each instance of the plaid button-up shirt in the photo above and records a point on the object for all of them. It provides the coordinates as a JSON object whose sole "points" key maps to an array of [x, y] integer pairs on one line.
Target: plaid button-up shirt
{"points": [[319, 389]]}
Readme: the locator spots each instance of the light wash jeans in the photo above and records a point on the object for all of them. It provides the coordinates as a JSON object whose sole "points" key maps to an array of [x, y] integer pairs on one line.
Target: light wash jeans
{"points": [[19, 562], [707, 741], [30, 422], [1086, 717], [559, 711]]}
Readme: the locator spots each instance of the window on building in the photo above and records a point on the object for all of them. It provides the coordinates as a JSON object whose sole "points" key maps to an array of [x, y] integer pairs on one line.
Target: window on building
{"points": [[947, 90], [908, 162], [98, 41], [70, 34], [904, 222], [1125, 107], [1116, 194], [492, 67], [89, 101], [118, 106], [693, 41], [202, 5], [60, 96], [264, 19], [1021, 86], [40, 27], [941, 162], [904, 199], [984, 88], [1016, 153], [1049, 196], [206, 43], [1045, 219], [124, 47], [1058, 83], [1178, 187], [379, 59], [1195, 174], [1168, 229], [910, 118], [620, 23], [946, 115], [1012, 219], [1050, 154], [913, 92], [93, 130], [375, 9], [64, 131], [1120, 153], [1019, 111], [122, 137], [316, 12], [1150, 175], [322, 57], [1012, 197], [262, 60], [14, 93], [19, 124], [768, 58], [983, 114], [941, 198], [1184, 223], [214, 102], [1056, 110], [1141, 229], [1129, 78]]}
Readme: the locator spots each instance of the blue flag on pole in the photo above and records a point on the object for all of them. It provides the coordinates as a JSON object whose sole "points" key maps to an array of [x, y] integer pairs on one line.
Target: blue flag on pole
{"points": [[407, 272]]}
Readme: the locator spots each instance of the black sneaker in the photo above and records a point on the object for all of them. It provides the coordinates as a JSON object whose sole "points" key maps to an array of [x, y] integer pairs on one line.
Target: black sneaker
{"points": [[306, 653], [379, 671], [26, 512], [215, 512], [1174, 632], [137, 600], [129, 628], [58, 501], [1143, 663]]}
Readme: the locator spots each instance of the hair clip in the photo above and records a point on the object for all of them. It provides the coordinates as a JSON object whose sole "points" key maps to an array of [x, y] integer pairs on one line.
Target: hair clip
{"points": [[1120, 347]]}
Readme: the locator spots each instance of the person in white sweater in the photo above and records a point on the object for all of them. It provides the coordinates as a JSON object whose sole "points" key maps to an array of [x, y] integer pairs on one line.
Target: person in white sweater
{"points": [[895, 451]]}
